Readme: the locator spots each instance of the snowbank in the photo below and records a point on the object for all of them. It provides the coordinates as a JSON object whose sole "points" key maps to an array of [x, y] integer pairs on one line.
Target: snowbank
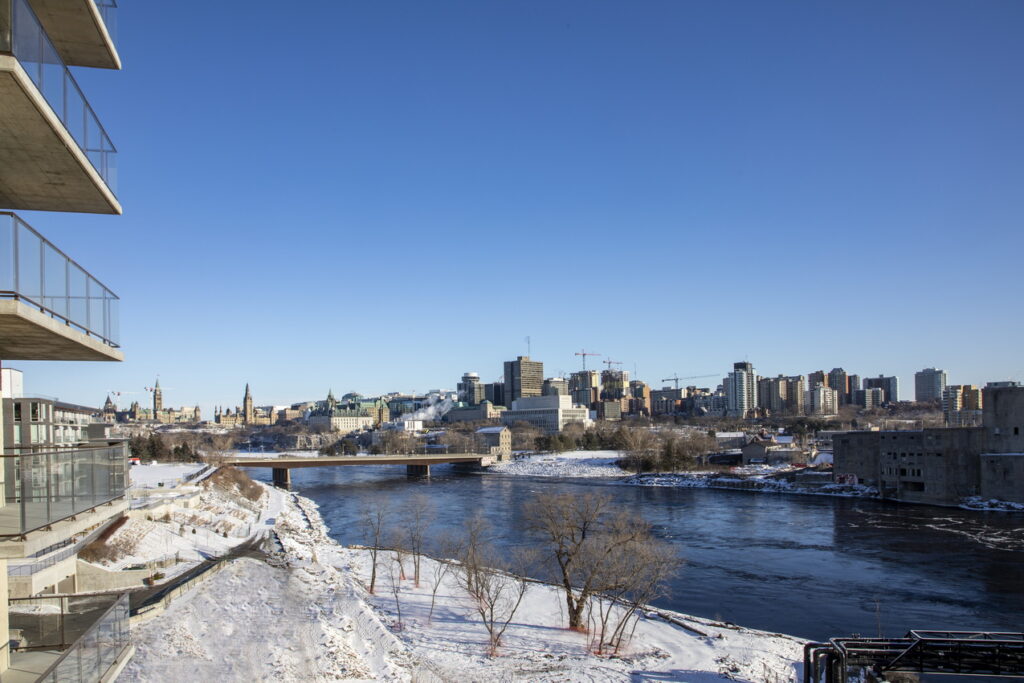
{"points": [[568, 464], [305, 615]]}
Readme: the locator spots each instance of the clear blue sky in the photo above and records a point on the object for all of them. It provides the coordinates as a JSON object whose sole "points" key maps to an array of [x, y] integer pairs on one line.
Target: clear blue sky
{"points": [[381, 195]]}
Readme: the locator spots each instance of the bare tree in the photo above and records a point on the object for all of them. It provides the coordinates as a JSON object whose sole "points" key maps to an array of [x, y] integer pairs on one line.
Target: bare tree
{"points": [[639, 446], [495, 591], [450, 547], [417, 515], [373, 518], [572, 527], [395, 574]]}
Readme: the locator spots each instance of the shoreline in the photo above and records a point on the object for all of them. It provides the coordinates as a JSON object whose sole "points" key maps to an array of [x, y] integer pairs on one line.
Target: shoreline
{"points": [[315, 585], [533, 465]]}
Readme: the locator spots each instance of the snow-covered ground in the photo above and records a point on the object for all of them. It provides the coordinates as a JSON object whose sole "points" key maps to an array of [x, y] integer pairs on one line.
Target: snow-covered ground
{"points": [[567, 464], [219, 521], [305, 615], [169, 474]]}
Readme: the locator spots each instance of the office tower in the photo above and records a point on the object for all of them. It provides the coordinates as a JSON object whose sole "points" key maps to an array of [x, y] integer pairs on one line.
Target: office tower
{"points": [[523, 378], [555, 386], [55, 155], [495, 393], [470, 390], [795, 395], [929, 384]]}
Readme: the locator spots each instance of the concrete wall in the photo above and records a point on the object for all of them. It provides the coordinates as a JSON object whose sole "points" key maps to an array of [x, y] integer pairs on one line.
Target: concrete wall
{"points": [[1002, 477], [44, 580], [857, 453], [1004, 419], [93, 578]]}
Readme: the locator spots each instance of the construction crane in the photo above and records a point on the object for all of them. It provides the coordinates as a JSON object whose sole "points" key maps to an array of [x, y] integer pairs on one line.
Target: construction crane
{"points": [[676, 378], [585, 353], [611, 362]]}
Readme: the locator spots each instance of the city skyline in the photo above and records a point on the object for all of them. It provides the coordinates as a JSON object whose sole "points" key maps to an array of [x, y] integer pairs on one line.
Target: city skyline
{"points": [[704, 155]]}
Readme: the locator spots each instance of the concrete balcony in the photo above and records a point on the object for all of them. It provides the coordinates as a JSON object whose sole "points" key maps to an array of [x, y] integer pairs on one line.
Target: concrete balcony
{"points": [[82, 31], [50, 307], [69, 638], [52, 496], [54, 153]]}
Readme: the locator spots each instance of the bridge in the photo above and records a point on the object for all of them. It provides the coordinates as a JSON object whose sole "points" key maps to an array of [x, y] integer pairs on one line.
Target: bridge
{"points": [[415, 464]]}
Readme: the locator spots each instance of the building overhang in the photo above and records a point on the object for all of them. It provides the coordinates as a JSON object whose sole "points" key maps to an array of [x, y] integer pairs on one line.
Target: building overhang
{"points": [[42, 168], [78, 32], [29, 334]]}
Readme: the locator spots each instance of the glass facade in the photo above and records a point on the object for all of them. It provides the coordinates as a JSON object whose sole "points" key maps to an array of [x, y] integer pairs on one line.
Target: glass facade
{"points": [[33, 270], [22, 35], [43, 488]]}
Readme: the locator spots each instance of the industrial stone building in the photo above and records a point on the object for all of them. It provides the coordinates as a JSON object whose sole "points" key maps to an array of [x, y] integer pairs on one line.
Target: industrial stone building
{"points": [[943, 466]]}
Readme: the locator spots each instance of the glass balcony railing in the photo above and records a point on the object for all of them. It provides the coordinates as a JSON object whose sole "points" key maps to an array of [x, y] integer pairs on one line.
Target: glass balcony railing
{"points": [[43, 488], [85, 634], [35, 271], [22, 36]]}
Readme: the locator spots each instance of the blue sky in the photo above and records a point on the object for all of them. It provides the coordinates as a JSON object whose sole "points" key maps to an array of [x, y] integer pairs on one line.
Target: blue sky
{"points": [[380, 196]]}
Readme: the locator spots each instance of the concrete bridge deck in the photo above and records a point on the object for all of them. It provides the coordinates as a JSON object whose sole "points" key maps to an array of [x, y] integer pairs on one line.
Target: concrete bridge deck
{"points": [[415, 464]]}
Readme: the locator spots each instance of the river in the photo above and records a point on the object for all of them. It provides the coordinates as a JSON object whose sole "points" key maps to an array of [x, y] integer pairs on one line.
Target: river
{"points": [[811, 566]]}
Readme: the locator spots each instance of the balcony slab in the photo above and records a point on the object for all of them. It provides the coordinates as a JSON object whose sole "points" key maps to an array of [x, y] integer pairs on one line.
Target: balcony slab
{"points": [[29, 334], [41, 166], [78, 33]]}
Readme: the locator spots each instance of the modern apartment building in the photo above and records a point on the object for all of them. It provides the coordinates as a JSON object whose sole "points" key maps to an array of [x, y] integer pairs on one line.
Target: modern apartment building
{"points": [[929, 384], [55, 156], [840, 381], [741, 391], [523, 378], [889, 385], [962, 405]]}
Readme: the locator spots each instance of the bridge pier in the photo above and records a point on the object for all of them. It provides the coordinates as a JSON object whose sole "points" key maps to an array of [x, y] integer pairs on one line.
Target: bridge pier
{"points": [[282, 477], [417, 470]]}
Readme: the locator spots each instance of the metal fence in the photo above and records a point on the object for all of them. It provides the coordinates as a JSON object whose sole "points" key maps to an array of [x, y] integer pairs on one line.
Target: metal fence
{"points": [[22, 35], [35, 271], [43, 488]]}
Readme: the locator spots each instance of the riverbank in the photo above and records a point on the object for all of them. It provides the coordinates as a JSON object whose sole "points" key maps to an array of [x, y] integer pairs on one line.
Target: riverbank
{"points": [[305, 615]]}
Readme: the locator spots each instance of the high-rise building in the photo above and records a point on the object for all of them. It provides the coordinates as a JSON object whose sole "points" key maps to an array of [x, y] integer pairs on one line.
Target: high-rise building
{"points": [[614, 384], [585, 387], [795, 395], [822, 401], [667, 401], [639, 398], [840, 381], [55, 155], [854, 382], [962, 405], [771, 394], [929, 385], [555, 386], [741, 391], [495, 393], [523, 378], [817, 378], [890, 385], [470, 390]]}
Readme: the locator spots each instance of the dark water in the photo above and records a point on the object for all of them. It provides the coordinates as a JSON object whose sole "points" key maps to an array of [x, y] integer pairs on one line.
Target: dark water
{"points": [[811, 566]]}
